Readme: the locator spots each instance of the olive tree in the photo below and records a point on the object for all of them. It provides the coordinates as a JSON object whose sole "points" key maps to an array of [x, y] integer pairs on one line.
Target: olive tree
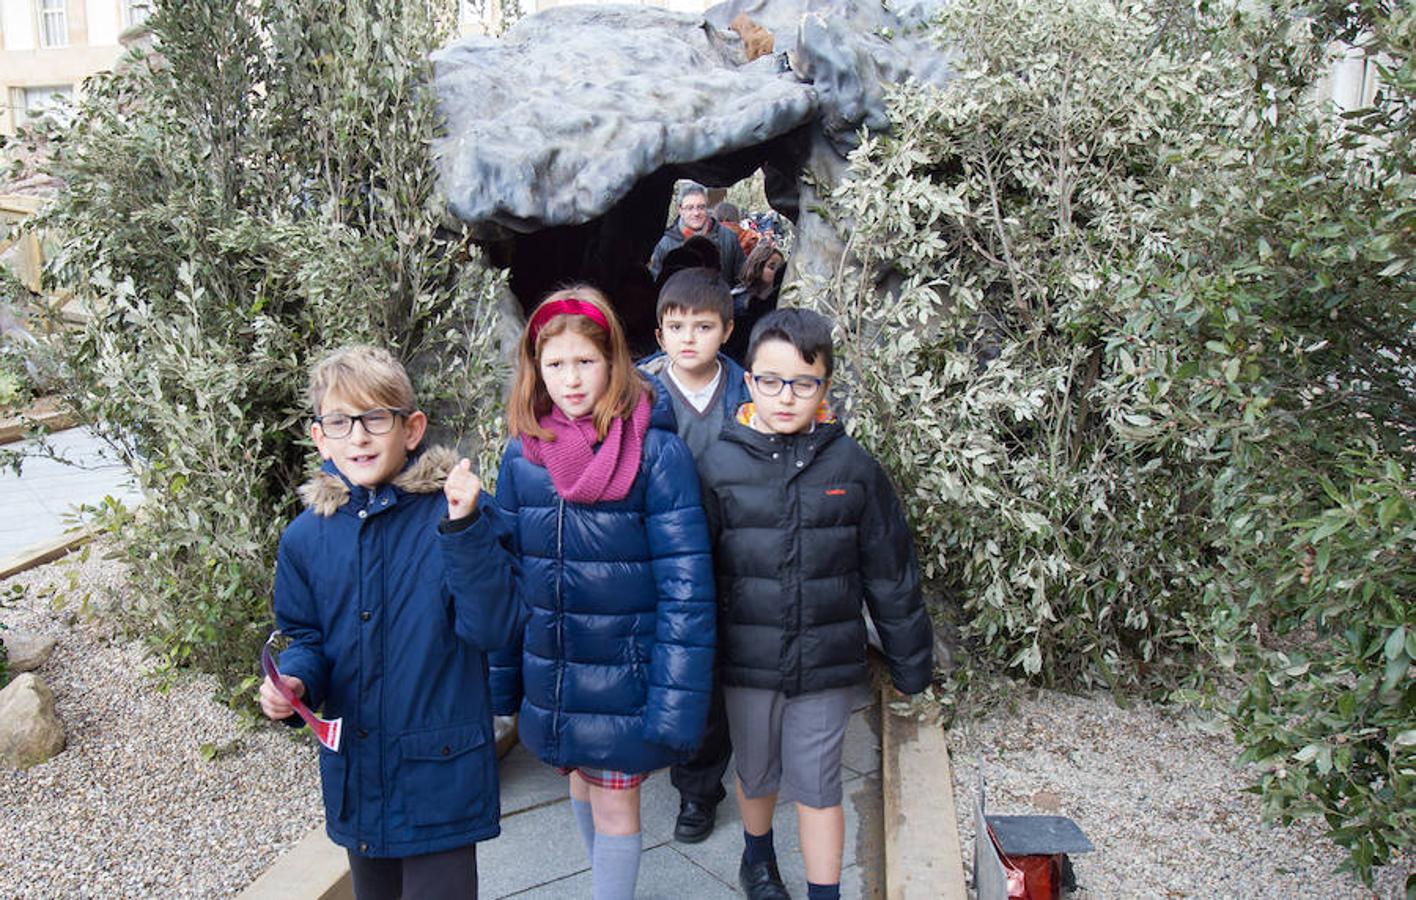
{"points": [[1128, 313], [248, 191]]}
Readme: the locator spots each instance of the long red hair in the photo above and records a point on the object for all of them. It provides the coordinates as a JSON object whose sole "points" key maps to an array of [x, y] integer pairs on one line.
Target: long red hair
{"points": [[529, 398]]}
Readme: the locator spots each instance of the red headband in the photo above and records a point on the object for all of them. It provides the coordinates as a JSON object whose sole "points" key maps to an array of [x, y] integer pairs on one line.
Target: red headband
{"points": [[567, 307]]}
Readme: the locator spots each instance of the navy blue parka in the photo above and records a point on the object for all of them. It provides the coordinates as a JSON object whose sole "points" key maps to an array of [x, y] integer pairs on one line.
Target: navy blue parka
{"points": [[389, 621], [616, 663]]}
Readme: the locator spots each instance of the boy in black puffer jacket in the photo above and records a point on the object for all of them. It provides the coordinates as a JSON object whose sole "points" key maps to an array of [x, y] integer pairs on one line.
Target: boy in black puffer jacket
{"points": [[805, 526]]}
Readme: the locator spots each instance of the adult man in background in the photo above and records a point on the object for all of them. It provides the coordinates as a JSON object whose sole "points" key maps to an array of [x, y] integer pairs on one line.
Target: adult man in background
{"points": [[694, 219]]}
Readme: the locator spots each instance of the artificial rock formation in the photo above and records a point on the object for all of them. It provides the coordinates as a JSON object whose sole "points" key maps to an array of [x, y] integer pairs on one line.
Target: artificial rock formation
{"points": [[30, 731], [565, 136]]}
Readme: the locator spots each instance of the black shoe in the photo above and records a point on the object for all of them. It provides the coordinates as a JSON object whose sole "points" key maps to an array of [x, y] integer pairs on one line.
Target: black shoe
{"points": [[695, 821], [762, 881]]}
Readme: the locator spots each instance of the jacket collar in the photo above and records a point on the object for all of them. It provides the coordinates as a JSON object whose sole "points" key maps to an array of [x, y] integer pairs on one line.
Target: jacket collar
{"points": [[824, 416], [657, 365], [661, 414], [808, 443], [424, 473]]}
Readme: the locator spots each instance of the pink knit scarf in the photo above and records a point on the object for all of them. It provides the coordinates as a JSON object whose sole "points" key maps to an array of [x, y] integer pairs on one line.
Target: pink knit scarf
{"points": [[581, 473]]}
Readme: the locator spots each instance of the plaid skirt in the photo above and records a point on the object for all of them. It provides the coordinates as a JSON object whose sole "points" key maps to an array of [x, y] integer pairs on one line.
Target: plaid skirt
{"points": [[608, 779]]}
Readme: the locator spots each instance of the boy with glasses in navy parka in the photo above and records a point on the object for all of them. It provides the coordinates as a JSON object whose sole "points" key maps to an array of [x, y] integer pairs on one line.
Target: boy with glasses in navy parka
{"points": [[391, 586], [805, 526]]}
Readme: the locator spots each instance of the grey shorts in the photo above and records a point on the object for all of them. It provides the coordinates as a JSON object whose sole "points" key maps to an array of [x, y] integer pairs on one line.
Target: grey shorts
{"points": [[789, 745]]}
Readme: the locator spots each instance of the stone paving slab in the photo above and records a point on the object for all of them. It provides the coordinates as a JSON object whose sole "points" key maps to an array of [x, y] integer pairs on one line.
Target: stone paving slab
{"points": [[526, 782], [663, 874], [39, 504], [536, 847], [540, 855]]}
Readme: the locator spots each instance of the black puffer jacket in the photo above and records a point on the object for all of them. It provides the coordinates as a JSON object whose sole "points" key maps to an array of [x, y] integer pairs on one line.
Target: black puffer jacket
{"points": [[804, 528]]}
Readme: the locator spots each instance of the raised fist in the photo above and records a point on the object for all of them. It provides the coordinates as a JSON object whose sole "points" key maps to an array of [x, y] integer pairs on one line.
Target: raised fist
{"points": [[462, 488]]}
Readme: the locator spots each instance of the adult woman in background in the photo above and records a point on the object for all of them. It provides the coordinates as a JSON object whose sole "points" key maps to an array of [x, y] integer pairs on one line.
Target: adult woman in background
{"points": [[759, 283]]}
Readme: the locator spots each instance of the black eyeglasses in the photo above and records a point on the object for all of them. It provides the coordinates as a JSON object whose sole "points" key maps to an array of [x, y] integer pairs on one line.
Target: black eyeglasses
{"points": [[376, 421], [804, 387]]}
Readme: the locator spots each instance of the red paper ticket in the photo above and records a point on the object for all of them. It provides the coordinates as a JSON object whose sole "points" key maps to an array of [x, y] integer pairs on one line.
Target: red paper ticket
{"points": [[329, 731]]}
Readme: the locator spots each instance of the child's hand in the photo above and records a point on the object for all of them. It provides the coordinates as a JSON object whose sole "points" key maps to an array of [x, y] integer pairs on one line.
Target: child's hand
{"points": [[462, 489], [273, 704]]}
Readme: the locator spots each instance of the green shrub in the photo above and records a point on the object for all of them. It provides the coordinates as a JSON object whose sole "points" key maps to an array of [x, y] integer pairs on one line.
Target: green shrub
{"points": [[1312, 277], [1129, 316], [1031, 435], [17, 387], [250, 192], [1330, 714], [13, 392], [10, 595]]}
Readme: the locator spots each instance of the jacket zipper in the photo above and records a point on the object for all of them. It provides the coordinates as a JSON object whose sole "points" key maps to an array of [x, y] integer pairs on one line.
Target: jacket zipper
{"points": [[367, 533], [795, 488], [560, 622]]}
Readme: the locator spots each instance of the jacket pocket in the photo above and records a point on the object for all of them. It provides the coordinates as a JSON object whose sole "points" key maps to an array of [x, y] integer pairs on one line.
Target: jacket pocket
{"points": [[446, 774], [334, 773]]}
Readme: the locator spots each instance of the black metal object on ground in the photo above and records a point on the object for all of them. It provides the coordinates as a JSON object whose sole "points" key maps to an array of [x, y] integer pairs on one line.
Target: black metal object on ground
{"points": [[1019, 840]]}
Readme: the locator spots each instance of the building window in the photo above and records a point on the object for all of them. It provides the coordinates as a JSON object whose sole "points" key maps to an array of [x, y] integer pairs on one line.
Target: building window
{"points": [[50, 100], [136, 12], [53, 24]]}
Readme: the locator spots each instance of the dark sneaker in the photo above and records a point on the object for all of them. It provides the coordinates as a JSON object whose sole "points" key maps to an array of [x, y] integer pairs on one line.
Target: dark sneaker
{"points": [[695, 821], [762, 881]]}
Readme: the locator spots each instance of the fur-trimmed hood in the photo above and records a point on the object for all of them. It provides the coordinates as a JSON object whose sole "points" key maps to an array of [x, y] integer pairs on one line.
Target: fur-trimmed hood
{"points": [[425, 473]]}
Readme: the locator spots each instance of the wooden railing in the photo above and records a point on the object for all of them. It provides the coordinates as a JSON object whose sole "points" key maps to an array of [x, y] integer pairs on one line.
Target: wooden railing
{"points": [[21, 251]]}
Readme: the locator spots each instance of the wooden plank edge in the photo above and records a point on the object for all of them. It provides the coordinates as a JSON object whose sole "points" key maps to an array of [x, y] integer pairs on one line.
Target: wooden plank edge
{"points": [[923, 854], [314, 869], [47, 551], [55, 421]]}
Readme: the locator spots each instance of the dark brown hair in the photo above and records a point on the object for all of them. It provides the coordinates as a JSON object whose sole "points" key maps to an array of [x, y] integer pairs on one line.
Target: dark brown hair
{"points": [[695, 290], [807, 331], [757, 261]]}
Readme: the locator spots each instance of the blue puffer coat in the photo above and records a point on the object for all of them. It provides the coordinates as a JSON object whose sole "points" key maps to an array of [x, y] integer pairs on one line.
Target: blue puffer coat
{"points": [[617, 658], [389, 621]]}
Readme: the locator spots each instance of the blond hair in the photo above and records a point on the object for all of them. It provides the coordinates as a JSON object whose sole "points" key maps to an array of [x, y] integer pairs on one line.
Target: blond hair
{"points": [[529, 398], [362, 374]]}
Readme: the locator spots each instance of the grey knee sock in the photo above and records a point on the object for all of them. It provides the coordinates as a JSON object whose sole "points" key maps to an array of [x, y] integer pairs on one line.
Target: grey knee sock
{"points": [[586, 823], [615, 865]]}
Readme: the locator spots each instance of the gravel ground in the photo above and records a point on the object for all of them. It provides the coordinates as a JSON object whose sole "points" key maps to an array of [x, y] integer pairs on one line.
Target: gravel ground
{"points": [[1158, 797], [130, 808]]}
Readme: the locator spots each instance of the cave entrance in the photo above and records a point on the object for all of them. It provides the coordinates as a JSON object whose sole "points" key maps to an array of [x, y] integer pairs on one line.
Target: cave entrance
{"points": [[612, 251]]}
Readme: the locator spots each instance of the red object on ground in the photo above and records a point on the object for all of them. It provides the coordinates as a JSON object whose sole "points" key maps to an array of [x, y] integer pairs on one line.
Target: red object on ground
{"points": [[1034, 877], [1041, 877]]}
